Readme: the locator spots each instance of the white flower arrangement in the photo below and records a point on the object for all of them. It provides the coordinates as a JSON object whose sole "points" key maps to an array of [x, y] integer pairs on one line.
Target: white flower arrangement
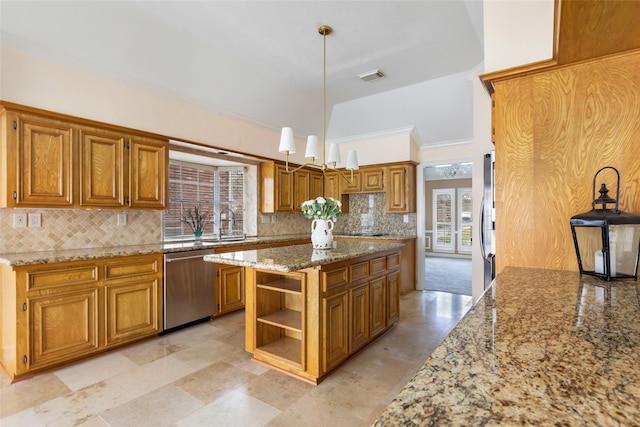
{"points": [[322, 208]]}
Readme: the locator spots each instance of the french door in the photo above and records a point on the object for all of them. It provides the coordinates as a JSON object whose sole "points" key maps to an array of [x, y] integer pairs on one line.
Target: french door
{"points": [[452, 220]]}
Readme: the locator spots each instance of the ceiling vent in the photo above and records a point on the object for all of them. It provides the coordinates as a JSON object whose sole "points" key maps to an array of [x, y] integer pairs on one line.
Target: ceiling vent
{"points": [[371, 75]]}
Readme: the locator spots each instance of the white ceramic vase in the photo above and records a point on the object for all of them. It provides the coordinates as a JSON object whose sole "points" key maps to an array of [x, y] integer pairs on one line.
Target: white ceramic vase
{"points": [[322, 234]]}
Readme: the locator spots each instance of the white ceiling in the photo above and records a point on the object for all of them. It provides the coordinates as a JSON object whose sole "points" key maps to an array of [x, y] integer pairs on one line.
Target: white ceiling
{"points": [[263, 60]]}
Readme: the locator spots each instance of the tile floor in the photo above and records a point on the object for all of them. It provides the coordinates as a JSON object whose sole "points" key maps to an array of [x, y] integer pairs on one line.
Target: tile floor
{"points": [[201, 376]]}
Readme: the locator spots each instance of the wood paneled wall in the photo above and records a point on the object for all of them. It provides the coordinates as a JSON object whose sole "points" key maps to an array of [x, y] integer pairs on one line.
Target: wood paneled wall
{"points": [[553, 131]]}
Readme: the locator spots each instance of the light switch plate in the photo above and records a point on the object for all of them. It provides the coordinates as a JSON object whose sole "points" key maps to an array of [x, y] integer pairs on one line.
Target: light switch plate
{"points": [[122, 219], [35, 220], [19, 220]]}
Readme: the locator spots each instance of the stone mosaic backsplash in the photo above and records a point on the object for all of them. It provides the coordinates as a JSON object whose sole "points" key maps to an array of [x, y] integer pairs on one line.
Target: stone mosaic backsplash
{"points": [[81, 228], [78, 229], [367, 214]]}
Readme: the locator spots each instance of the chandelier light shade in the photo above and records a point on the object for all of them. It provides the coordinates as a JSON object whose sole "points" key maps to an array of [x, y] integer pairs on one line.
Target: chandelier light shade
{"points": [[287, 143], [352, 160], [334, 155], [312, 151], [607, 241], [313, 148]]}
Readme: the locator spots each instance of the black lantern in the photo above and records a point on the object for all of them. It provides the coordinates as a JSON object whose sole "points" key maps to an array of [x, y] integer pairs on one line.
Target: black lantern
{"points": [[607, 240]]}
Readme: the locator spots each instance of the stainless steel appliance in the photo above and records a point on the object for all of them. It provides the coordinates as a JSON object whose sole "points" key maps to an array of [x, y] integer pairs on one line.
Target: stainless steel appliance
{"points": [[488, 220], [188, 288]]}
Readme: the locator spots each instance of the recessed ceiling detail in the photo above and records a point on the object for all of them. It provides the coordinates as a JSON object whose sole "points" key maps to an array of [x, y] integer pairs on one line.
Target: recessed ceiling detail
{"points": [[371, 75]]}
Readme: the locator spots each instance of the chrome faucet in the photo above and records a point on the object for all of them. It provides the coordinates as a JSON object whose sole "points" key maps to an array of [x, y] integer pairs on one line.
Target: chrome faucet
{"points": [[233, 221]]}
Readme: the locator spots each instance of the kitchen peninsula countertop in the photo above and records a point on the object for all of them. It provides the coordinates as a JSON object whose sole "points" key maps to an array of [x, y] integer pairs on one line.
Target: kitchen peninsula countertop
{"points": [[298, 257], [541, 347]]}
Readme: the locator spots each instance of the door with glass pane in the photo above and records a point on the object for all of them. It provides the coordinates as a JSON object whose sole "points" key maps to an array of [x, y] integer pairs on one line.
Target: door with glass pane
{"points": [[443, 220], [465, 215]]}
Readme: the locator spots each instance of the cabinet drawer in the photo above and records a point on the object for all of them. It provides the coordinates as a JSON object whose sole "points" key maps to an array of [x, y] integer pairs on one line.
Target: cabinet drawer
{"points": [[393, 261], [335, 278], [359, 270], [46, 279], [378, 265], [128, 268]]}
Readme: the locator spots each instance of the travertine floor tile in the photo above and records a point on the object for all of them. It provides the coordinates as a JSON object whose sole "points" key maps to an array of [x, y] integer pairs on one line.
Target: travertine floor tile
{"points": [[234, 409], [161, 407], [94, 370], [277, 389], [214, 381], [29, 393]]}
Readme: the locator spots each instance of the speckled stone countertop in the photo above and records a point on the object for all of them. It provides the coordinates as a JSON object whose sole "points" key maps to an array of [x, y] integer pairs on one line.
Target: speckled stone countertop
{"points": [[43, 257], [298, 257], [541, 348]]}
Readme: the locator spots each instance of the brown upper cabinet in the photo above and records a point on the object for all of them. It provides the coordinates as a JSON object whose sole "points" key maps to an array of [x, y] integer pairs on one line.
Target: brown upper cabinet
{"points": [[50, 160], [283, 191], [401, 188], [369, 179]]}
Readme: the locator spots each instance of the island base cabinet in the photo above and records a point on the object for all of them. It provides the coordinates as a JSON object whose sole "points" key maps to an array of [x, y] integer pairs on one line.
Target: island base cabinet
{"points": [[335, 330], [56, 313], [308, 322]]}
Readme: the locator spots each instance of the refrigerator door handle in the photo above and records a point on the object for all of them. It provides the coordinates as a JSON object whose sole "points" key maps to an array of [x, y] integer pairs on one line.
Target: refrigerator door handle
{"points": [[483, 250]]}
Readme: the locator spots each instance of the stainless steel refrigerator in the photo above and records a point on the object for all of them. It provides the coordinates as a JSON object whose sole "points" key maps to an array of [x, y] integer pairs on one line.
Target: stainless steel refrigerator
{"points": [[488, 220]]}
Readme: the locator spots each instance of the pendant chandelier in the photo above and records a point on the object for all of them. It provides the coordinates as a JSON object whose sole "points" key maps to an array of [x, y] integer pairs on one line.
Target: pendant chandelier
{"points": [[312, 152]]}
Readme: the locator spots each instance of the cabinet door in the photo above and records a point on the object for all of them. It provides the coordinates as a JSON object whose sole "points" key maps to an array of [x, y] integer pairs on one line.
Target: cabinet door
{"points": [[62, 326], [316, 186], [352, 185], [284, 196], [44, 161], [102, 168], [332, 185], [393, 298], [401, 191], [132, 310], [378, 306], [148, 173], [229, 289], [372, 179], [335, 330], [302, 185], [359, 317]]}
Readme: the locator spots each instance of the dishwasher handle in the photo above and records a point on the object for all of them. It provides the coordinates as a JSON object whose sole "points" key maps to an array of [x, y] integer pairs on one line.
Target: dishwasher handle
{"points": [[168, 259]]}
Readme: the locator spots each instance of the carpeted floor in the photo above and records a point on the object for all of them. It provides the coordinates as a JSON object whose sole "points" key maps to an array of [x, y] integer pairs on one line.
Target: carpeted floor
{"points": [[445, 274]]}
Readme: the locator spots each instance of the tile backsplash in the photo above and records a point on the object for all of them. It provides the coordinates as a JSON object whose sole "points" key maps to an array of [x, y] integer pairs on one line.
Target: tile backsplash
{"points": [[79, 228], [367, 213], [87, 228]]}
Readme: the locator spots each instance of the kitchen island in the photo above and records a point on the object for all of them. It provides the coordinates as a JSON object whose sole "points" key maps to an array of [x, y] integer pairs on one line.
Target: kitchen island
{"points": [[308, 311], [541, 347]]}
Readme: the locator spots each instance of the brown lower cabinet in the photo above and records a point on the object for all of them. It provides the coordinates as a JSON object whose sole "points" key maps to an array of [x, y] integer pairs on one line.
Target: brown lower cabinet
{"points": [[56, 313], [308, 322]]}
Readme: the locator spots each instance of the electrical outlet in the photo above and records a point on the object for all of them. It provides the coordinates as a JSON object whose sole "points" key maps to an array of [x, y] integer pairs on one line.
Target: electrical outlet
{"points": [[405, 218], [34, 220], [19, 220], [265, 219], [122, 219]]}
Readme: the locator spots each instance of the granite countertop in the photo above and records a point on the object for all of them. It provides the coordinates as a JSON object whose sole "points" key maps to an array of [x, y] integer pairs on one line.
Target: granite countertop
{"points": [[540, 347], [298, 257], [44, 257]]}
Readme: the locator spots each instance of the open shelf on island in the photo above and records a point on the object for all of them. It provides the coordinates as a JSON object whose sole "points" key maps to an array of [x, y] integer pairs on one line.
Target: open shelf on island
{"points": [[288, 349], [283, 284], [285, 318]]}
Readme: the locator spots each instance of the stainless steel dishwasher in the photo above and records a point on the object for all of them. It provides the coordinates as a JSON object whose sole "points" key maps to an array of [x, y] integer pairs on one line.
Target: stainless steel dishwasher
{"points": [[188, 290]]}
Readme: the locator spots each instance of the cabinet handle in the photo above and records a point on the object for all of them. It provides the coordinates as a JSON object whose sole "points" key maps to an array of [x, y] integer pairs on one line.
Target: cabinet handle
{"points": [[15, 195], [24, 359], [24, 306], [15, 125]]}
